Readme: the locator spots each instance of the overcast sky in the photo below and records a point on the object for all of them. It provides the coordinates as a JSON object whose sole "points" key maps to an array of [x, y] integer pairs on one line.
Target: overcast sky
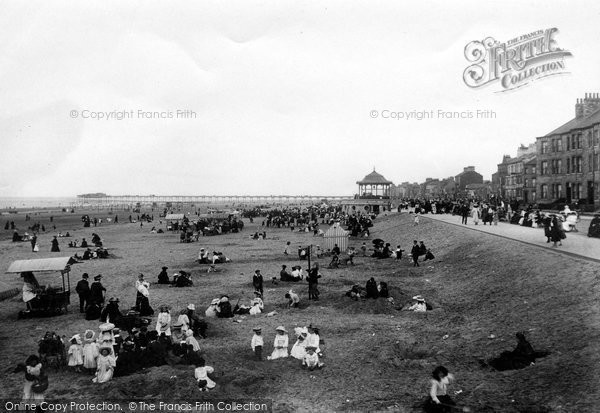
{"points": [[282, 91]]}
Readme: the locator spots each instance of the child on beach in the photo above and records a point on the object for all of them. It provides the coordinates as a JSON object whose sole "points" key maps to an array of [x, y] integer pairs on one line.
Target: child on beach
{"points": [[280, 344], [75, 354], [201, 372], [438, 401], [257, 343], [90, 352], [106, 365], [311, 359], [416, 218]]}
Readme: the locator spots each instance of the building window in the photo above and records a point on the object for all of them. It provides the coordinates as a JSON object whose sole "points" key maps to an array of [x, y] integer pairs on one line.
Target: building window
{"points": [[545, 147], [544, 167], [568, 165], [544, 189], [576, 191], [533, 182]]}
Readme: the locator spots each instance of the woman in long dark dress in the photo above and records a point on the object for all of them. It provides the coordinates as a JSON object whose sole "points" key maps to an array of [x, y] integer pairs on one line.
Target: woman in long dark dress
{"points": [[55, 245], [556, 232]]}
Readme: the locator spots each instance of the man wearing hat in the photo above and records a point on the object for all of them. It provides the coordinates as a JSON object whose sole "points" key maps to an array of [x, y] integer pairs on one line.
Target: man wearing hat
{"points": [[163, 277], [257, 281], [97, 291], [83, 290]]}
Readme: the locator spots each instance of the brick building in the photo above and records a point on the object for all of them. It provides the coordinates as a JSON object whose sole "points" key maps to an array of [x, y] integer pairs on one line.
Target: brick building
{"points": [[466, 177], [568, 157]]}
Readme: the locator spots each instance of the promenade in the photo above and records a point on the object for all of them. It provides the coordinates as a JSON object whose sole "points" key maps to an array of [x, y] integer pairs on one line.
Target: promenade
{"points": [[576, 244]]}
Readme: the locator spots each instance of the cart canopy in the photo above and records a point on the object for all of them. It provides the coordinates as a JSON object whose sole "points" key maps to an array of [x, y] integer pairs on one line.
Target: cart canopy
{"points": [[43, 264], [174, 217]]}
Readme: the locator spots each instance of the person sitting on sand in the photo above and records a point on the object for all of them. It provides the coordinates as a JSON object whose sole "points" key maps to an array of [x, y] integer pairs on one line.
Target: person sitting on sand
{"points": [[419, 306], [297, 273], [163, 277], [311, 360], [213, 308], [224, 308], [522, 356], [284, 275], [203, 256], [438, 400], [371, 288], [256, 305]]}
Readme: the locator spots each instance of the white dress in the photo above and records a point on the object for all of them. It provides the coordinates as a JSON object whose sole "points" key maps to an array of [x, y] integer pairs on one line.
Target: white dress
{"points": [[201, 373], [313, 340], [106, 366], [163, 324], [90, 353], [184, 319], [281, 340], [75, 355], [299, 349]]}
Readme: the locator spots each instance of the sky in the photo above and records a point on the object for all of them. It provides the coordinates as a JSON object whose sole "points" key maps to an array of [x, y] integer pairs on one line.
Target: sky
{"points": [[274, 97]]}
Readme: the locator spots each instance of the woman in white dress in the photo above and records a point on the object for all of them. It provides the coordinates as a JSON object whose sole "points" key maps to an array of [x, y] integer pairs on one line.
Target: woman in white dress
{"points": [[163, 322], [299, 347]]}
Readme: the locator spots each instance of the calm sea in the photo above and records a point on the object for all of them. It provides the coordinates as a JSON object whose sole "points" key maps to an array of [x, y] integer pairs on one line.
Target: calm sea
{"points": [[33, 202]]}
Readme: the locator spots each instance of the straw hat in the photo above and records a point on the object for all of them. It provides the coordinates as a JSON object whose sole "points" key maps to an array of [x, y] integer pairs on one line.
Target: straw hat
{"points": [[89, 335], [106, 327], [107, 349], [215, 301], [113, 300], [77, 338], [189, 333], [418, 298], [191, 307], [257, 329], [98, 277], [281, 328]]}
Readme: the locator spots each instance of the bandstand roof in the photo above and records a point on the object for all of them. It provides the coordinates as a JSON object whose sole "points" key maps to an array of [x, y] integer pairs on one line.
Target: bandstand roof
{"points": [[374, 178]]}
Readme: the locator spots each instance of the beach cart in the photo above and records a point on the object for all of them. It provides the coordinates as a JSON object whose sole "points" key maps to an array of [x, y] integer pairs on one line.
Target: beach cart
{"points": [[43, 298]]}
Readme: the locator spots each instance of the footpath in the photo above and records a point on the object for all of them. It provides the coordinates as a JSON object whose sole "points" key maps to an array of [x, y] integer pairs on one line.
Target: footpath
{"points": [[577, 244]]}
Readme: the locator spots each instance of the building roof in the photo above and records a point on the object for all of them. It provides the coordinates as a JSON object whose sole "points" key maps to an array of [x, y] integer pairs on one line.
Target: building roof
{"points": [[467, 172], [43, 264], [374, 178], [577, 123]]}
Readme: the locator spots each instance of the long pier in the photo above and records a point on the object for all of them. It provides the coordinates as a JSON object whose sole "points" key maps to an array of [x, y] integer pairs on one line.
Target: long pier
{"points": [[133, 200]]}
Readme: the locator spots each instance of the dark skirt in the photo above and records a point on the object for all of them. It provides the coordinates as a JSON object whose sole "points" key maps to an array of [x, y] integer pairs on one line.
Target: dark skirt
{"points": [[446, 405]]}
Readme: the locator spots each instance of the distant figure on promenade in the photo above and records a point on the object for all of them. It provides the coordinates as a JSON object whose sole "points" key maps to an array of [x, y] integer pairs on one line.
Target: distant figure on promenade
{"points": [[464, 212]]}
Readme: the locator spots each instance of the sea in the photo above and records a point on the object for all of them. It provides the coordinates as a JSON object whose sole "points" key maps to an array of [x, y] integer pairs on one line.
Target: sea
{"points": [[36, 202]]}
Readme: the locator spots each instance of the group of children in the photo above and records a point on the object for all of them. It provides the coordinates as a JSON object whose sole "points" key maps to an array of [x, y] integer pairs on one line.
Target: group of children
{"points": [[307, 347], [95, 355]]}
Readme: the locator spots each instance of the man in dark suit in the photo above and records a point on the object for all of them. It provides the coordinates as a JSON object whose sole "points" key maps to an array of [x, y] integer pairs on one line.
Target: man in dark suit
{"points": [[83, 290], [415, 251]]}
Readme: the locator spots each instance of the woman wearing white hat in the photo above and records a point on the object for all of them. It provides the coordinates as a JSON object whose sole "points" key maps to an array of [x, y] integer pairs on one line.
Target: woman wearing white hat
{"points": [[420, 306], [280, 344], [90, 351], [213, 308]]}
